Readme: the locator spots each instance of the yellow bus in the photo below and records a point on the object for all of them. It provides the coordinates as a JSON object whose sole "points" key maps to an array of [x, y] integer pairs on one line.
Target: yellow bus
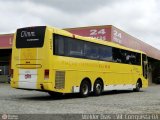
{"points": [[56, 61]]}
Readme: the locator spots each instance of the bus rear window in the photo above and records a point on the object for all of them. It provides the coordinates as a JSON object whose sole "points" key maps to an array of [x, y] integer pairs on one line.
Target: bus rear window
{"points": [[30, 37]]}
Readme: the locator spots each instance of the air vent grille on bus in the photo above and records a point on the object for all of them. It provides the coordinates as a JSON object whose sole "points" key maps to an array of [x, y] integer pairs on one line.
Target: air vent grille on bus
{"points": [[60, 80]]}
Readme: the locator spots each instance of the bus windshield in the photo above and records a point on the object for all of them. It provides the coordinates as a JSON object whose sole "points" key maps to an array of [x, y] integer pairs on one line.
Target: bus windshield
{"points": [[30, 37]]}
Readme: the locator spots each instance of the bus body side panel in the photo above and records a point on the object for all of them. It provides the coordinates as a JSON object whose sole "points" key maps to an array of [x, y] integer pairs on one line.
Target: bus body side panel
{"points": [[75, 70]]}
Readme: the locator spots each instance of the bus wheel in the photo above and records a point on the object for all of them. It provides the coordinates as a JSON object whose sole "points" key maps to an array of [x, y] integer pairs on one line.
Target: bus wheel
{"points": [[98, 87], [54, 94], [138, 87], [84, 88]]}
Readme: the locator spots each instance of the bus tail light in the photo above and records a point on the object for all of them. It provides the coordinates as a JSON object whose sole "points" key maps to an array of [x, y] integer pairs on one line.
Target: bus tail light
{"points": [[11, 73], [46, 74]]}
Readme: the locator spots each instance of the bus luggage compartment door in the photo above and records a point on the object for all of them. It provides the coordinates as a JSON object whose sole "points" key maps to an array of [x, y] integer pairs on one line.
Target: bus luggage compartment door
{"points": [[27, 78]]}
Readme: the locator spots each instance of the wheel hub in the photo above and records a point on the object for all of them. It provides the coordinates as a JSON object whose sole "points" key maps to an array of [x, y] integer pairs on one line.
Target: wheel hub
{"points": [[85, 89], [98, 88]]}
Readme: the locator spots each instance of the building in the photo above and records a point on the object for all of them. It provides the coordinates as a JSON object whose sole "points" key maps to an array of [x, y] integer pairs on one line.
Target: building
{"points": [[5, 56], [106, 32]]}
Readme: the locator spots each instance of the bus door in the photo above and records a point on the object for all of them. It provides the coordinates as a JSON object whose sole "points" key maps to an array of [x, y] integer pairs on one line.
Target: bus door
{"points": [[145, 66], [135, 60]]}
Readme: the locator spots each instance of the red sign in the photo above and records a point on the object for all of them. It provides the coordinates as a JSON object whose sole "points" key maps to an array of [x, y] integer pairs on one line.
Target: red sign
{"points": [[6, 41], [95, 32]]}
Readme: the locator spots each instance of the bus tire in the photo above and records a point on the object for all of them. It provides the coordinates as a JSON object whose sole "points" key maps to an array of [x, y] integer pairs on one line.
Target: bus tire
{"points": [[138, 86], [84, 88], [98, 87]]}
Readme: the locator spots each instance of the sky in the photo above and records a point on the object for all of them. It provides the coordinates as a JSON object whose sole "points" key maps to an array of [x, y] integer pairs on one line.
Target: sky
{"points": [[139, 18]]}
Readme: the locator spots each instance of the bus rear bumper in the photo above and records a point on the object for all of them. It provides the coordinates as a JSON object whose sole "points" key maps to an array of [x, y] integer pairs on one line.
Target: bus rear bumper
{"points": [[27, 85], [32, 85]]}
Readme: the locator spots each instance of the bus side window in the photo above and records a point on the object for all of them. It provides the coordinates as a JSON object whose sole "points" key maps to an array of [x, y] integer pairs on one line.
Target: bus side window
{"points": [[105, 53], [75, 47], [117, 57], [138, 59], [124, 56], [59, 45], [132, 58], [91, 50]]}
